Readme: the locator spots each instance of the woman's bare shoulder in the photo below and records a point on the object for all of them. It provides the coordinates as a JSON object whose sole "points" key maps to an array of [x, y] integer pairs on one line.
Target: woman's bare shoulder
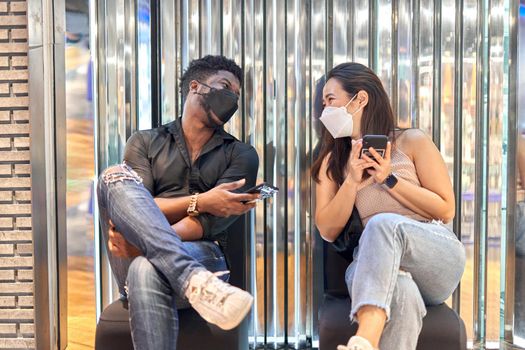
{"points": [[411, 141]]}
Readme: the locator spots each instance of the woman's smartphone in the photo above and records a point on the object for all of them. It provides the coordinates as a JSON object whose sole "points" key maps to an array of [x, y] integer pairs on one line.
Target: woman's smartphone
{"points": [[378, 142], [264, 189]]}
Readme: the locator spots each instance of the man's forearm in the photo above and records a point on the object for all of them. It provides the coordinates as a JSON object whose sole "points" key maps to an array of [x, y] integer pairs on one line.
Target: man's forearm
{"points": [[175, 209], [188, 229]]}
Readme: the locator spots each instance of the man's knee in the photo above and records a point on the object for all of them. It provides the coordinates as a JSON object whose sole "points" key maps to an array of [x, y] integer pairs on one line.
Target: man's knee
{"points": [[119, 172]]}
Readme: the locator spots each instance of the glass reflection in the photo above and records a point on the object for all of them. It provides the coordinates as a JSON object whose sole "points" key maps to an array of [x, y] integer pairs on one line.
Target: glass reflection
{"points": [[519, 293], [342, 42], [361, 8], [144, 65], [468, 157], [404, 64], [425, 67], [447, 82], [384, 44], [518, 310], [498, 95], [80, 173], [170, 60]]}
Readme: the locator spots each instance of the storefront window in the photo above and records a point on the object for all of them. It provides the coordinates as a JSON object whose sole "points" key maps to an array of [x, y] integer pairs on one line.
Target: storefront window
{"points": [[81, 306]]}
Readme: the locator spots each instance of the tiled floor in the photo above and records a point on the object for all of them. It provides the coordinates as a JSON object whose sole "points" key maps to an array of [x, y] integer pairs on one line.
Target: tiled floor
{"points": [[81, 302]]}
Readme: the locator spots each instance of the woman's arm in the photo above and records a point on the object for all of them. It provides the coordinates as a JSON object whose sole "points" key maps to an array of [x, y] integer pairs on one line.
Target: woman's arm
{"points": [[435, 198], [334, 204]]}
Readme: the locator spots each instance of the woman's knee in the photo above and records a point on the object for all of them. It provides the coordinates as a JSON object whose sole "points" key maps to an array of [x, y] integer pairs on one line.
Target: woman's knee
{"points": [[381, 225]]}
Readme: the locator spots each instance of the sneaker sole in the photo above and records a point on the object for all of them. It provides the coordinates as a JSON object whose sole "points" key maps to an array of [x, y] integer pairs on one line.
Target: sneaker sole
{"points": [[235, 322]]}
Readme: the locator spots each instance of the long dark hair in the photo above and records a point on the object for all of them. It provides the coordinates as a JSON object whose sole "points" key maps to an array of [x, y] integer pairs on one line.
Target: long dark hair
{"points": [[377, 118]]}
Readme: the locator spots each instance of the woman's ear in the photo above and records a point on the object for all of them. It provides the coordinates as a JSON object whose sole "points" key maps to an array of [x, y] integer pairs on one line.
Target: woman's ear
{"points": [[362, 98]]}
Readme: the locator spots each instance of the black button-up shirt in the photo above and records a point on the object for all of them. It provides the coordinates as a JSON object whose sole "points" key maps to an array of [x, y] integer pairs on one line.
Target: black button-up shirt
{"points": [[161, 158]]}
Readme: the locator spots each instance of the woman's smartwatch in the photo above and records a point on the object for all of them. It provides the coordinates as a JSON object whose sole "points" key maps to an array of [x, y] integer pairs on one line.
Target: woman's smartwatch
{"points": [[390, 181]]}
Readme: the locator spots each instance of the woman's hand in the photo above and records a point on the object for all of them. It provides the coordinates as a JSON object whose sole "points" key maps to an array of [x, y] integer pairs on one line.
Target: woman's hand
{"points": [[381, 168], [356, 165]]}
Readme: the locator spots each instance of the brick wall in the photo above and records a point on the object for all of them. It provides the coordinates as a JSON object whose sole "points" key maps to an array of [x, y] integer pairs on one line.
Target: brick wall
{"points": [[16, 250]]}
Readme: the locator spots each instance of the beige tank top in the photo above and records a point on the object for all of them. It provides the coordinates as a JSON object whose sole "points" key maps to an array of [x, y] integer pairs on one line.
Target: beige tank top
{"points": [[373, 198]]}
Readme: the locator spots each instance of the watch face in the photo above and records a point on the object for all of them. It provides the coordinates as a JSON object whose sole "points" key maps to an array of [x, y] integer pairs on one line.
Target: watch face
{"points": [[391, 181]]}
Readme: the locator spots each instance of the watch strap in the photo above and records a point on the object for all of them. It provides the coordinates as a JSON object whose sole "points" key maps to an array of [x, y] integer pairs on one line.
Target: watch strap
{"points": [[390, 181]]}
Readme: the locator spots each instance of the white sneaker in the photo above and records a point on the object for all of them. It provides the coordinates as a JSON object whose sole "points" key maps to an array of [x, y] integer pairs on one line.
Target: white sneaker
{"points": [[356, 343], [217, 301]]}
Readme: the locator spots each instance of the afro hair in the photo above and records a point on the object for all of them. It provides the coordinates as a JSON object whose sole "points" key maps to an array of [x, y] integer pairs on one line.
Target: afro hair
{"points": [[202, 68]]}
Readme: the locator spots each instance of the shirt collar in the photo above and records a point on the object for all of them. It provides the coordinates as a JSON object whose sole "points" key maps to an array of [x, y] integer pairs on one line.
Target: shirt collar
{"points": [[176, 129], [218, 139]]}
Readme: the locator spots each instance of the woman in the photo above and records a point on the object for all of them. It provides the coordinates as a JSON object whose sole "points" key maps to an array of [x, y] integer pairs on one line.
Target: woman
{"points": [[407, 258]]}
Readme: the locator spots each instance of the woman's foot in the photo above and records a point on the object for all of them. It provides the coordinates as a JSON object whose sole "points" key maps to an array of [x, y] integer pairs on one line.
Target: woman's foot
{"points": [[357, 343]]}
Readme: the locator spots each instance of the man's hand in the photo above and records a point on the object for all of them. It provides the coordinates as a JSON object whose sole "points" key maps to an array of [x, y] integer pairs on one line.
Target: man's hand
{"points": [[118, 246], [220, 201]]}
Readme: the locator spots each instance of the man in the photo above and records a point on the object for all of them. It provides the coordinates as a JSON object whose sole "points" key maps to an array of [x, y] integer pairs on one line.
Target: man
{"points": [[167, 207]]}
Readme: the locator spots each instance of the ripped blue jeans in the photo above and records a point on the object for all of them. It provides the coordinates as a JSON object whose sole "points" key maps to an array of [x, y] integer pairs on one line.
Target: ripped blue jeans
{"points": [[401, 265], [157, 280]]}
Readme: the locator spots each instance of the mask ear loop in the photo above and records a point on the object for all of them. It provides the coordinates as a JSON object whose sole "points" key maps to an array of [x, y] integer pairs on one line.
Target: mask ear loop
{"points": [[353, 98], [358, 108], [209, 88]]}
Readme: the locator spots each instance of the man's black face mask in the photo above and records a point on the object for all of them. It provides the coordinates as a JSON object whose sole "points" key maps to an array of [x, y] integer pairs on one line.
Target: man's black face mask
{"points": [[222, 102]]}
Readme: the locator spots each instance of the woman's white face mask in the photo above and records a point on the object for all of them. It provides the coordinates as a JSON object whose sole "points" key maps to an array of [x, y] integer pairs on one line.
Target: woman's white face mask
{"points": [[338, 121]]}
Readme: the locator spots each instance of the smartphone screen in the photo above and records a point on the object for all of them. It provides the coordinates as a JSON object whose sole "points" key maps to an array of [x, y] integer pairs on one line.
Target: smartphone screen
{"points": [[265, 190]]}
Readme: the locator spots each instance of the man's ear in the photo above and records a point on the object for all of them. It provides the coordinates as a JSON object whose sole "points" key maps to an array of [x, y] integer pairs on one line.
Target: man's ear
{"points": [[194, 85]]}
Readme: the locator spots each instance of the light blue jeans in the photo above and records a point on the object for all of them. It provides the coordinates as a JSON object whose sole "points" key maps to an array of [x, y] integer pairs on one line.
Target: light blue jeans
{"points": [[401, 265], [153, 304], [156, 281]]}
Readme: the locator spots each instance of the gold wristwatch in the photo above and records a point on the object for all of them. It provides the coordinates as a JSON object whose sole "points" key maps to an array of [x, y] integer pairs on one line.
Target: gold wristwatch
{"points": [[192, 208]]}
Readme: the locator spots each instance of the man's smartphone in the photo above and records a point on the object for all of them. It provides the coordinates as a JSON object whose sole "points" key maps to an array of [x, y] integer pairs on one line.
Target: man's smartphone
{"points": [[378, 142], [264, 189]]}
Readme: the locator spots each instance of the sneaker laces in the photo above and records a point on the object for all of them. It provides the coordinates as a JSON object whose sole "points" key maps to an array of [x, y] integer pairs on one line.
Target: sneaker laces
{"points": [[212, 291], [353, 347]]}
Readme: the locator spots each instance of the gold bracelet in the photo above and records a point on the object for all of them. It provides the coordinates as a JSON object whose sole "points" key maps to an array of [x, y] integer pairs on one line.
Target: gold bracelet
{"points": [[192, 208]]}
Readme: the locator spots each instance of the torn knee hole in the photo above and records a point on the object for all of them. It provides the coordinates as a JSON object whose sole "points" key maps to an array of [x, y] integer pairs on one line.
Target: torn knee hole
{"points": [[120, 172]]}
